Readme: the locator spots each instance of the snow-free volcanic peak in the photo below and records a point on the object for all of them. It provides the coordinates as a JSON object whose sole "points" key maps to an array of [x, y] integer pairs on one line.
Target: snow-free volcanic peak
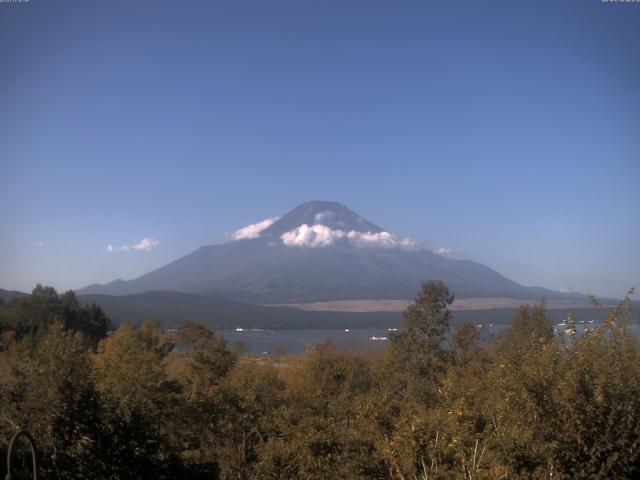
{"points": [[319, 251], [331, 214]]}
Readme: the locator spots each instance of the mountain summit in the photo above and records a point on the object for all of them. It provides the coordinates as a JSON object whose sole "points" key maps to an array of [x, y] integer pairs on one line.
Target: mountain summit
{"points": [[321, 224], [316, 252], [333, 215]]}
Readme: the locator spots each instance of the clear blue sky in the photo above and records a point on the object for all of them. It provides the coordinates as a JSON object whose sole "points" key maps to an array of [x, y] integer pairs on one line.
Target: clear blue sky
{"points": [[506, 131]]}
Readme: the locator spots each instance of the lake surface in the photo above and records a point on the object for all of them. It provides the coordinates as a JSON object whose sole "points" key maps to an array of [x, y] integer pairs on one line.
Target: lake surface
{"points": [[295, 341]]}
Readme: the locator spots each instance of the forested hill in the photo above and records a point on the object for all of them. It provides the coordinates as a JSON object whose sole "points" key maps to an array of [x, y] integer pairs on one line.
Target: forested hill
{"points": [[7, 295], [172, 308]]}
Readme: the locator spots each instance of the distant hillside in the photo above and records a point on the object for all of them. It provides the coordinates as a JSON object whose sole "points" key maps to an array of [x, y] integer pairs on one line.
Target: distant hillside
{"points": [[7, 295], [172, 308]]}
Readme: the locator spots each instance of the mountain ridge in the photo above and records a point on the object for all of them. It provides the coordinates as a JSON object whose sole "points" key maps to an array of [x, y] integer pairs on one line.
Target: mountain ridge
{"points": [[295, 258]]}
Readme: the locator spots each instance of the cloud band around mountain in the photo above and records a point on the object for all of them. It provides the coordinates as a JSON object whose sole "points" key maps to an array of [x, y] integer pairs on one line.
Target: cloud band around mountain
{"points": [[311, 236], [317, 236], [253, 230]]}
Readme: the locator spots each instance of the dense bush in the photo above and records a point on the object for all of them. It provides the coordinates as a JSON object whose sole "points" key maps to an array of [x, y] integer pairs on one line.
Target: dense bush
{"points": [[434, 405]]}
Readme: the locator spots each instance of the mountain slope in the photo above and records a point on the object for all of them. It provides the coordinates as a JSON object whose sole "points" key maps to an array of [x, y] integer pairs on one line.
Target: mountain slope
{"points": [[7, 295], [319, 251]]}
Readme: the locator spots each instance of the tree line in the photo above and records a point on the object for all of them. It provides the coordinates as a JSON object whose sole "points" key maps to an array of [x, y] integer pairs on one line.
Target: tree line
{"points": [[136, 403]]}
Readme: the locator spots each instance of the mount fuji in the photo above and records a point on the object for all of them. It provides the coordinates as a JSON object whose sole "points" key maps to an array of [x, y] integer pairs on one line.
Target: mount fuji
{"points": [[319, 251]]}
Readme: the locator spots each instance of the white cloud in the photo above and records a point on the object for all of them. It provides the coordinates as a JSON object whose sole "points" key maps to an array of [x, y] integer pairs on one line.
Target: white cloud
{"points": [[443, 251], [322, 236], [254, 230], [381, 240], [36, 244], [144, 245], [311, 236]]}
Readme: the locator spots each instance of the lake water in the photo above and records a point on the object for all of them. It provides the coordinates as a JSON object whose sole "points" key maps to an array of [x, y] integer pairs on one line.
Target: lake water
{"points": [[294, 341]]}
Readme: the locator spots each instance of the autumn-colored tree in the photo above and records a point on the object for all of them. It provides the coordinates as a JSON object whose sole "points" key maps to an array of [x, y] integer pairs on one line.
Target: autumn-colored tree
{"points": [[208, 361], [245, 401], [50, 392], [409, 377], [596, 421], [322, 430], [436, 404], [141, 402]]}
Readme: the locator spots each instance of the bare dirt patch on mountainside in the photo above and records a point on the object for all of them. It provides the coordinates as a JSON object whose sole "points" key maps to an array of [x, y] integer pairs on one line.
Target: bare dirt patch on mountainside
{"points": [[384, 305]]}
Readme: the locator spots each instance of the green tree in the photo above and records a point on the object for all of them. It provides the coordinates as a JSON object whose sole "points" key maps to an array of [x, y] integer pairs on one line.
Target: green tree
{"points": [[417, 350], [239, 348], [31, 316], [409, 378], [530, 326], [89, 319], [208, 362], [210, 359]]}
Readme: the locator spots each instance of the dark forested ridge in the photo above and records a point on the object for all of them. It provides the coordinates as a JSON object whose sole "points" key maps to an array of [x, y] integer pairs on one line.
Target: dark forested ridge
{"points": [[136, 403], [172, 308], [7, 295]]}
